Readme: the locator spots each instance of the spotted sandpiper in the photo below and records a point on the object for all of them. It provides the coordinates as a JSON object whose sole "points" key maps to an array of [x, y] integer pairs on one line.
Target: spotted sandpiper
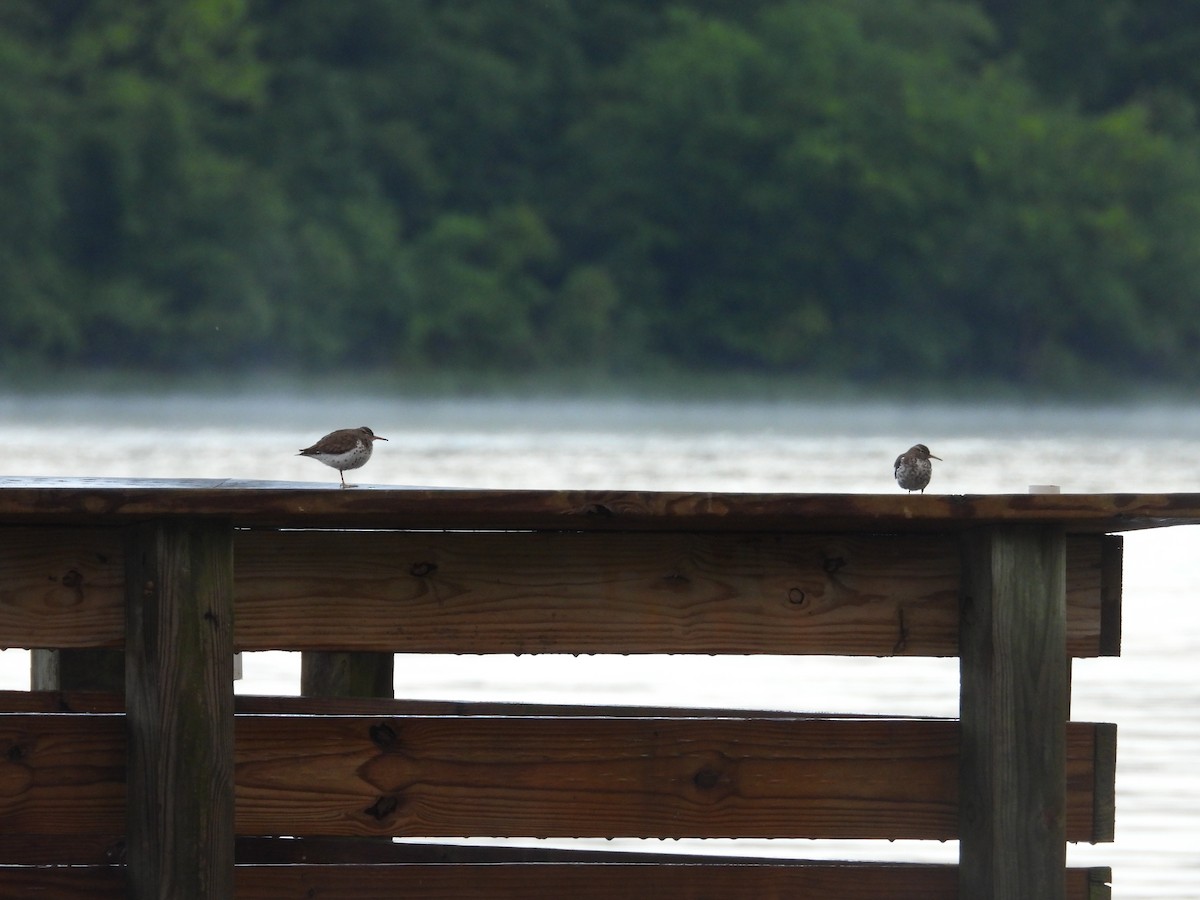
{"points": [[349, 448], [913, 468]]}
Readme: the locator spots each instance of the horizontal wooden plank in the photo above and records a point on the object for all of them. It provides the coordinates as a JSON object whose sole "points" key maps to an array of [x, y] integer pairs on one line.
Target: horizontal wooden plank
{"points": [[75, 883], [105, 850], [64, 702], [97, 849], [110, 850], [451, 776], [603, 881], [592, 593], [524, 592], [274, 504], [620, 593], [99, 702], [582, 881], [1104, 812], [1112, 579], [62, 587]]}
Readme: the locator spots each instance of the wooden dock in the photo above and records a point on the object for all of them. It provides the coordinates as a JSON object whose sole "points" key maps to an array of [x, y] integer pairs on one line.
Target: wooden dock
{"points": [[131, 770]]}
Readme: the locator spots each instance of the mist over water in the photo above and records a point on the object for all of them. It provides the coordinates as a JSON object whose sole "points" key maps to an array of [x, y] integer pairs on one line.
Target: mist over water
{"points": [[619, 444], [1152, 691]]}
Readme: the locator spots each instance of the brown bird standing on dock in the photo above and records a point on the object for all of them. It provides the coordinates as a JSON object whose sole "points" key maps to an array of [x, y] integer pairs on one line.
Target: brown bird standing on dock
{"points": [[349, 448], [913, 468]]}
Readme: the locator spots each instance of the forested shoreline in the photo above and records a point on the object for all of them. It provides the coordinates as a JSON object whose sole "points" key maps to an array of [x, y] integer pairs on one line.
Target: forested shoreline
{"points": [[863, 190]]}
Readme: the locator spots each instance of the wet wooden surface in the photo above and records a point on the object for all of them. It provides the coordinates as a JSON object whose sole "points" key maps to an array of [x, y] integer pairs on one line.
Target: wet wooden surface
{"points": [[179, 709], [539, 776], [305, 505], [591, 880], [522, 571], [543, 592], [1014, 705]]}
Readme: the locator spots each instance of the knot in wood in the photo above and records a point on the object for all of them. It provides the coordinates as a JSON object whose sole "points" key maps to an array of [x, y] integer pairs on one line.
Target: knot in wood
{"points": [[676, 580], [832, 564], [382, 735], [383, 807], [797, 597], [422, 569], [707, 778], [599, 509], [72, 580]]}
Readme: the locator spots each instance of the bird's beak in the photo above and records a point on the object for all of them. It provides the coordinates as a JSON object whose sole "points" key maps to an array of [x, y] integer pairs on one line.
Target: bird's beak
{"points": [[376, 437], [938, 458]]}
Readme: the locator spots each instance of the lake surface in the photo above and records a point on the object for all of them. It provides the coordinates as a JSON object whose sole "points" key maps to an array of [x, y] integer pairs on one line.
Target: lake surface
{"points": [[1152, 691]]}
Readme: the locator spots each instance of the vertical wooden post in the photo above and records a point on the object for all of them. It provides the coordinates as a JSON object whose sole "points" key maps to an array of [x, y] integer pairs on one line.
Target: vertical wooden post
{"points": [[179, 701], [1014, 709], [338, 674]]}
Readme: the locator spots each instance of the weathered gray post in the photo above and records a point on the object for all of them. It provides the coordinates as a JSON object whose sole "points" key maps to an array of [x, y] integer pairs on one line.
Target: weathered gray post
{"points": [[346, 674], [1014, 709], [179, 701], [87, 669]]}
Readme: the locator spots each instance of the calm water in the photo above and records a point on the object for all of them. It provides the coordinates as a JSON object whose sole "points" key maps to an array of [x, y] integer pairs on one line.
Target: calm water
{"points": [[1152, 691]]}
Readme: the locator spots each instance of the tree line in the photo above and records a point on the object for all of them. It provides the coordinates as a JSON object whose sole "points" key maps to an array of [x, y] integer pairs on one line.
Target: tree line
{"points": [[866, 190]]}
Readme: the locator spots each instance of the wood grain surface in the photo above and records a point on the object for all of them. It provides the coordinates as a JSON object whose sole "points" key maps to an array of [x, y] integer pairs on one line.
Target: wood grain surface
{"points": [[309, 505], [1014, 705], [179, 709], [581, 881], [594, 776], [534, 592]]}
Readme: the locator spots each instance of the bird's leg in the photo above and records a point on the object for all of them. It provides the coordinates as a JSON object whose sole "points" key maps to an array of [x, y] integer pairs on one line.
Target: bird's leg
{"points": [[342, 475]]}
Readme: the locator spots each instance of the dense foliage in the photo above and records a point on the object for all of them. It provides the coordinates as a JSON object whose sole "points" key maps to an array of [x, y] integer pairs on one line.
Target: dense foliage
{"points": [[860, 189]]}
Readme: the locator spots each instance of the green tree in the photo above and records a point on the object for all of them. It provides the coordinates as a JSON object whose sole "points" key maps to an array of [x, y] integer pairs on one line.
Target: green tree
{"points": [[764, 189], [480, 288], [854, 188], [35, 314]]}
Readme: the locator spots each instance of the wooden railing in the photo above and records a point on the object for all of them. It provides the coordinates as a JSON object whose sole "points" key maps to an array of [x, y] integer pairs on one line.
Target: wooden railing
{"points": [[166, 786]]}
